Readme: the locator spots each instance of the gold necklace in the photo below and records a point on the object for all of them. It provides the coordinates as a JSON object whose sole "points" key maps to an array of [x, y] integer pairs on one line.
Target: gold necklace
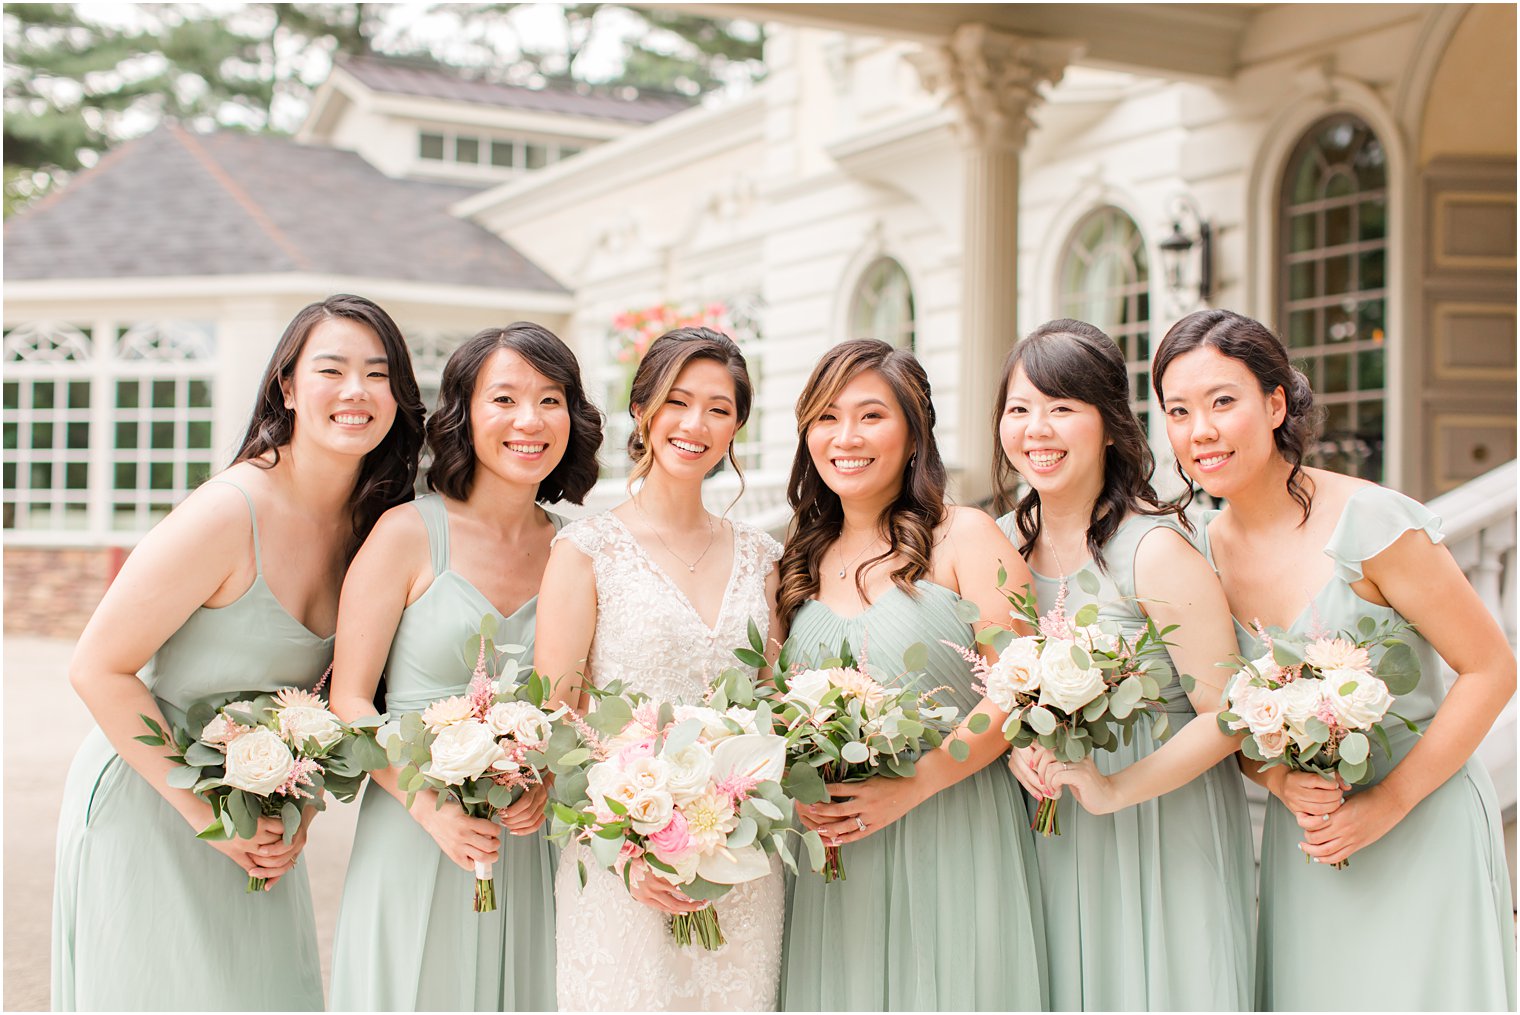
{"points": [[692, 567]]}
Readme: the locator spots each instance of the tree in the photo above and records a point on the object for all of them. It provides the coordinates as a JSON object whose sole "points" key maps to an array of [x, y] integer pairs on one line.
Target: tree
{"points": [[76, 85]]}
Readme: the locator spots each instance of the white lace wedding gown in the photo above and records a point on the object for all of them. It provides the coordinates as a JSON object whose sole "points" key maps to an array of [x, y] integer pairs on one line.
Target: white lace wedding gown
{"points": [[614, 952]]}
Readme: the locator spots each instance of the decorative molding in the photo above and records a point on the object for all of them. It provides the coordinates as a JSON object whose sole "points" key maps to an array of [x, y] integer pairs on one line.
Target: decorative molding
{"points": [[167, 341], [992, 80], [47, 342], [1447, 365]]}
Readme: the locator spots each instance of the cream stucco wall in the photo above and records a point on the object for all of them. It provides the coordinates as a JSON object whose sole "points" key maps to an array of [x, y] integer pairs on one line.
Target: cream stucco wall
{"points": [[1470, 114]]}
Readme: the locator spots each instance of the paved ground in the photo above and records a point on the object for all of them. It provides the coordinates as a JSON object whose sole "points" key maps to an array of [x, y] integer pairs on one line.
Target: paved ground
{"points": [[35, 763]]}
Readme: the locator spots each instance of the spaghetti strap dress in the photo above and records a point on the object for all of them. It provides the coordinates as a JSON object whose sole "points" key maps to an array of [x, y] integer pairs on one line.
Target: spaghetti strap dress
{"points": [[146, 917], [1150, 908], [940, 910], [408, 938], [1422, 918]]}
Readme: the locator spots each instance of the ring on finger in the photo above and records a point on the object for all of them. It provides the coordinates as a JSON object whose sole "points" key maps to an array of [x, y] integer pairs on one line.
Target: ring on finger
{"points": [[860, 823]]}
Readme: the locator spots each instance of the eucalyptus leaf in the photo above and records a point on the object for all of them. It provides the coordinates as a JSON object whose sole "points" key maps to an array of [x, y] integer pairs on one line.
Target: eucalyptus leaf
{"points": [[1399, 668], [978, 722], [855, 752], [684, 735], [1087, 582], [960, 750], [1351, 771], [183, 777], [814, 843], [915, 656], [1041, 719], [1087, 615], [1354, 748], [967, 612]]}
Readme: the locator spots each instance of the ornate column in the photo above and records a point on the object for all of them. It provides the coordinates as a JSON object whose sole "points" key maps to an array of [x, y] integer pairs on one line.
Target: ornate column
{"points": [[991, 81]]}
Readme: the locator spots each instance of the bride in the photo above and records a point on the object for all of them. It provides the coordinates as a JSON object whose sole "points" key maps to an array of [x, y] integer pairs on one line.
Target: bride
{"points": [[658, 593]]}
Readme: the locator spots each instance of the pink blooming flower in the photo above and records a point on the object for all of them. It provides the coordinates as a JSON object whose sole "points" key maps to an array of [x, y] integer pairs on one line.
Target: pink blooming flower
{"points": [[1325, 713], [1054, 624], [642, 749], [300, 776], [648, 714], [736, 787], [673, 841], [630, 851]]}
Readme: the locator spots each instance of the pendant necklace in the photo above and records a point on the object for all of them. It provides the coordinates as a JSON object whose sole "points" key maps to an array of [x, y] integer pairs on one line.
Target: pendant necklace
{"points": [[843, 567], [692, 567]]}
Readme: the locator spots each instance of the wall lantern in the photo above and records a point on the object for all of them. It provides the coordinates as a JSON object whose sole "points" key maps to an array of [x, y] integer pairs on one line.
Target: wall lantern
{"points": [[1177, 254]]}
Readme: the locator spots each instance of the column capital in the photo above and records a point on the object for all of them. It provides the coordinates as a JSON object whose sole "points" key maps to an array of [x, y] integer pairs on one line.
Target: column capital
{"points": [[991, 80]]}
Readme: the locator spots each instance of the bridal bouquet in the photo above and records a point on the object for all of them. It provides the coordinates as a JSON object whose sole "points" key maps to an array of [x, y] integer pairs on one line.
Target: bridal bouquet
{"points": [[1075, 686], [266, 755], [1310, 704], [482, 748], [843, 725], [691, 790]]}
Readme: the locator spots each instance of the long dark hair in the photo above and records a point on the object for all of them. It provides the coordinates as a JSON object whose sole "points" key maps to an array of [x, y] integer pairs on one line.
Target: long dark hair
{"points": [[388, 472], [1253, 344], [1075, 360], [452, 442], [818, 514], [656, 375]]}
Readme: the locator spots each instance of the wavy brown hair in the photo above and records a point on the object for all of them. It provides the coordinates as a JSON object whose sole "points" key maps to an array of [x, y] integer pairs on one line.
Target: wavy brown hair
{"points": [[817, 513], [452, 441], [656, 375], [387, 474], [1253, 344], [1077, 361]]}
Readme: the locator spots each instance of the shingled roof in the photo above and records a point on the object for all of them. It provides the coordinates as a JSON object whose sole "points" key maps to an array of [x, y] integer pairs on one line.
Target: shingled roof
{"points": [[174, 203], [405, 77]]}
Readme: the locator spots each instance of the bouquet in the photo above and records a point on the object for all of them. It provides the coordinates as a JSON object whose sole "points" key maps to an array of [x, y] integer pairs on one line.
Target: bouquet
{"points": [[266, 755], [843, 725], [1310, 704], [693, 790], [1074, 686], [482, 748]]}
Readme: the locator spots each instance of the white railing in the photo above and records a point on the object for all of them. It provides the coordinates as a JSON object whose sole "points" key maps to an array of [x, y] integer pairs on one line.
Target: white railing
{"points": [[1479, 520]]}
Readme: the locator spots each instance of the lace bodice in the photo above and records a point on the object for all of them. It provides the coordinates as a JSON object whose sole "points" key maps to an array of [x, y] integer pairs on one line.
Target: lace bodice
{"points": [[613, 953], [648, 634]]}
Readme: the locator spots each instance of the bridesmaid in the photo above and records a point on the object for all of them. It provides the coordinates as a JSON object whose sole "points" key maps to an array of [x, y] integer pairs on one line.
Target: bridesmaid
{"points": [[1427, 890], [1164, 856], [941, 906], [513, 428], [223, 597]]}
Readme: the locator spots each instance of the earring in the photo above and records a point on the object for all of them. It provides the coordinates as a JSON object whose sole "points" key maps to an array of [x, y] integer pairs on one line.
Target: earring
{"points": [[912, 458]]}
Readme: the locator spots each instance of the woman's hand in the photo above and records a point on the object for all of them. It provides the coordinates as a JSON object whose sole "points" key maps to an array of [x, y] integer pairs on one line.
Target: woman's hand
{"points": [[1031, 766], [1309, 796], [859, 808], [1093, 790], [654, 891], [463, 839], [526, 814], [1364, 819], [266, 855]]}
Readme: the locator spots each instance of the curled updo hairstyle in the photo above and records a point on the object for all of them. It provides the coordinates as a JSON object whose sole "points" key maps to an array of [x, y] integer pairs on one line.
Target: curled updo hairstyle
{"points": [[452, 442], [387, 474], [1074, 360], [817, 513], [663, 362], [1262, 352]]}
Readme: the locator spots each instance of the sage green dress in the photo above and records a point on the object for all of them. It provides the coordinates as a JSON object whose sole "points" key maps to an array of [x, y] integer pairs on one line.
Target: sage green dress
{"points": [[145, 916], [1421, 919], [1149, 908], [408, 937], [939, 911]]}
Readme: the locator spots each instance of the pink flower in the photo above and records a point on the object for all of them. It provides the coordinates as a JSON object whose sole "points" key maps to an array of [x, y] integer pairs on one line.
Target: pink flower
{"points": [[630, 851], [623, 321], [672, 841], [642, 749]]}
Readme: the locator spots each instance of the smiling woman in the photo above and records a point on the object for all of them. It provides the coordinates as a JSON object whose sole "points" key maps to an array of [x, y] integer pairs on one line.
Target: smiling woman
{"points": [[223, 598]]}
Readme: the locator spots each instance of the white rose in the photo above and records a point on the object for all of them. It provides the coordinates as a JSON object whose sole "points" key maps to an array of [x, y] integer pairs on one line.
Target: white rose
{"points": [[258, 762], [1364, 705], [711, 719], [1064, 684], [446, 712], [634, 733], [300, 723], [1262, 713], [685, 865], [1272, 744], [650, 810], [807, 689], [1017, 671], [1300, 699], [1239, 690], [221, 731], [518, 720], [1093, 638], [1264, 664], [605, 781], [647, 774], [464, 750], [690, 771]]}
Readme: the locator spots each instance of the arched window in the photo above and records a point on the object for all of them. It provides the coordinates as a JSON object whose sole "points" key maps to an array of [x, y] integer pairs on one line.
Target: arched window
{"points": [[883, 305], [1332, 292], [1105, 281]]}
